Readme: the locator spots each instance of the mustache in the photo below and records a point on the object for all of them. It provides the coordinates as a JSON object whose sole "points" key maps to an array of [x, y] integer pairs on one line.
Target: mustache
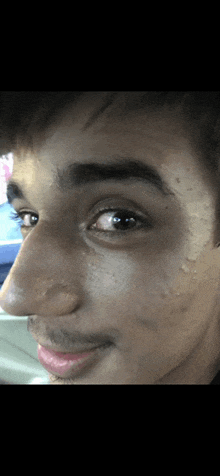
{"points": [[67, 339]]}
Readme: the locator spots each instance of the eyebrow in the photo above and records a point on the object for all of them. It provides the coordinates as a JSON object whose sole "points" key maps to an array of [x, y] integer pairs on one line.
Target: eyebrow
{"points": [[76, 175]]}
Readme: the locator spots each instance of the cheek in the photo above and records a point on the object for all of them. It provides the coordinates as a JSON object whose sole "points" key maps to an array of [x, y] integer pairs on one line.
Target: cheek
{"points": [[132, 286], [143, 285], [144, 279], [112, 277]]}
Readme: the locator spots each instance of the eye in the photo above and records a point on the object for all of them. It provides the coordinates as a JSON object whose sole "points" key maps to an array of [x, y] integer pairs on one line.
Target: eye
{"points": [[121, 220], [29, 219]]}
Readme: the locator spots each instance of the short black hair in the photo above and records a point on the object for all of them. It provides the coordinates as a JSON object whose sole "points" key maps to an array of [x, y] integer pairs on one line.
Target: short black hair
{"points": [[23, 113], [27, 113]]}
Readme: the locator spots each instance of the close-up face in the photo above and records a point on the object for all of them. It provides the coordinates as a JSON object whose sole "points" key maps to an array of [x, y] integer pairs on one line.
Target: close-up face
{"points": [[118, 251]]}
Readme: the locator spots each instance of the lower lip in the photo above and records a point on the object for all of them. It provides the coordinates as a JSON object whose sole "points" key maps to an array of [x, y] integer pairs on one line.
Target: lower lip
{"points": [[60, 363]]}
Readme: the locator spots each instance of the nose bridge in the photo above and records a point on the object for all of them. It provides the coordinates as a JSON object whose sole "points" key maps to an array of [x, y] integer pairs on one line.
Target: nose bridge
{"points": [[42, 279]]}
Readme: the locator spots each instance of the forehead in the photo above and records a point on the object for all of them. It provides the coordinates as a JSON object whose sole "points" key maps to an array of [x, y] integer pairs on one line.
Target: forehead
{"points": [[87, 132]]}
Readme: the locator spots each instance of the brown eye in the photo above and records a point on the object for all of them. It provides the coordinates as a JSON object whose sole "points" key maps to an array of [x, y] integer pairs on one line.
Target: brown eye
{"points": [[29, 219], [25, 219], [122, 220]]}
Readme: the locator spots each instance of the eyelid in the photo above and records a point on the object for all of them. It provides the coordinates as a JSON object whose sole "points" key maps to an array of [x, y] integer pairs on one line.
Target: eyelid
{"points": [[117, 203], [143, 218], [114, 203], [118, 209]]}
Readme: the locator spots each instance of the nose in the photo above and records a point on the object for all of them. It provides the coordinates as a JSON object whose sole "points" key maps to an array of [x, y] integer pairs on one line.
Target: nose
{"points": [[43, 280]]}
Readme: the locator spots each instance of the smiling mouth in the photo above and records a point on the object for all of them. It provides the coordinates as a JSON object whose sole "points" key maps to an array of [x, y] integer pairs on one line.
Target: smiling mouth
{"points": [[66, 365]]}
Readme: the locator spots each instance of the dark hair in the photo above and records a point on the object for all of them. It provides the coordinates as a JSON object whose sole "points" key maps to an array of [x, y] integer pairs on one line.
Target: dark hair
{"points": [[24, 113]]}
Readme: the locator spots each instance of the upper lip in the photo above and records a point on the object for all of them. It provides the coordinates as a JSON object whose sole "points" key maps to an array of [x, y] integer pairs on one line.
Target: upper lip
{"points": [[67, 341], [76, 350]]}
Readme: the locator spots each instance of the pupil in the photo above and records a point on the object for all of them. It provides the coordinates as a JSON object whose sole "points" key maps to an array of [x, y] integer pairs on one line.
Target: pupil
{"points": [[33, 219], [122, 221]]}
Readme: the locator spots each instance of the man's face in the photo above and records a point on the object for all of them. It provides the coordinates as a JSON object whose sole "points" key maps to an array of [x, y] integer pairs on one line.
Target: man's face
{"points": [[118, 258]]}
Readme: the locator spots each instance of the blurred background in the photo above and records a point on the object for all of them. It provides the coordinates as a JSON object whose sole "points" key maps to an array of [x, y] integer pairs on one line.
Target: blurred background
{"points": [[18, 350], [10, 235]]}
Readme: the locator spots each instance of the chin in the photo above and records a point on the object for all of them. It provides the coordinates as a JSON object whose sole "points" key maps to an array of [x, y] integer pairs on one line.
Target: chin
{"points": [[54, 380]]}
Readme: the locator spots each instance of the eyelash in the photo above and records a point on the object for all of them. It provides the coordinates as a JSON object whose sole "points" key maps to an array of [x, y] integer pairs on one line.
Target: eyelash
{"points": [[144, 222], [126, 211], [18, 217]]}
